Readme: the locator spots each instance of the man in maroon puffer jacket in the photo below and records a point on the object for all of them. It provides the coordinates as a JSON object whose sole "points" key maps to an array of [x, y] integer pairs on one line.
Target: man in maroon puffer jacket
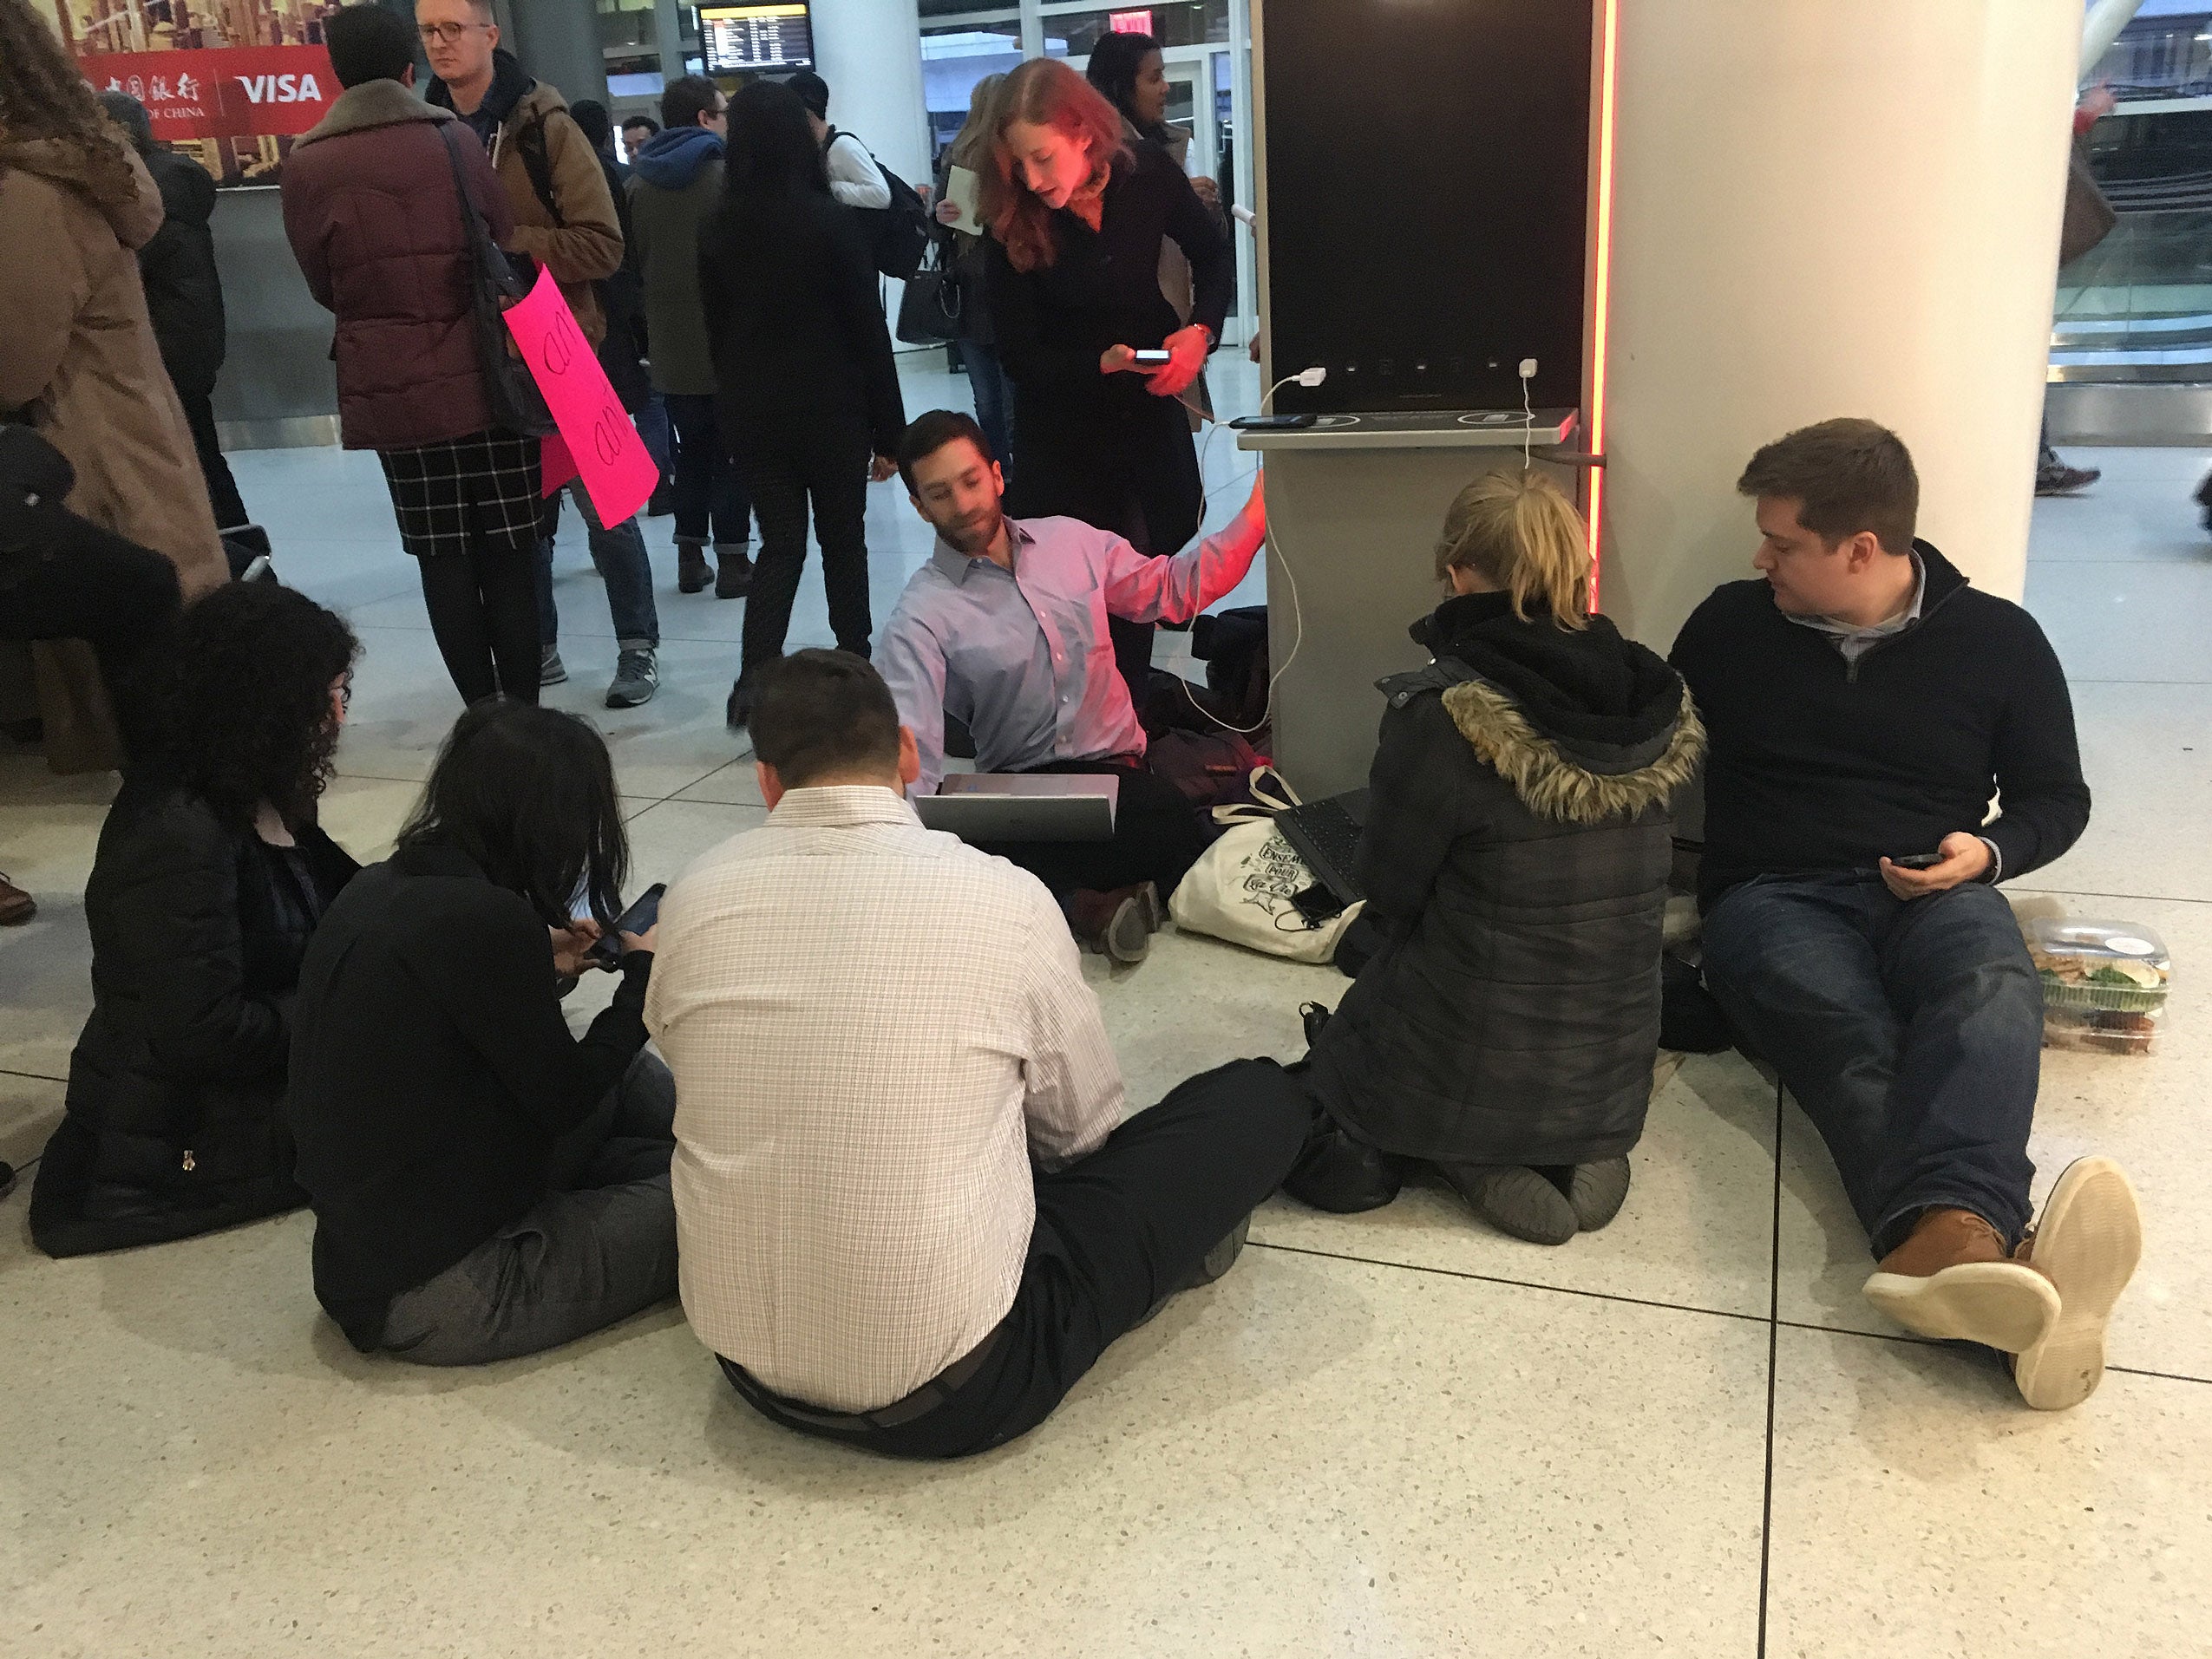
{"points": [[374, 214]]}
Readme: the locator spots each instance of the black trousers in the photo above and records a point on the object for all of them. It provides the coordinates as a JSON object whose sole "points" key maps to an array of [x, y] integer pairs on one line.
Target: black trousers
{"points": [[484, 606], [786, 469], [222, 488], [1158, 835], [1114, 1234]]}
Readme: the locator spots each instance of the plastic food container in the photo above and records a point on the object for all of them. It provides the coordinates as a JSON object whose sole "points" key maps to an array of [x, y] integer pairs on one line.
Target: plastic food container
{"points": [[2104, 985]]}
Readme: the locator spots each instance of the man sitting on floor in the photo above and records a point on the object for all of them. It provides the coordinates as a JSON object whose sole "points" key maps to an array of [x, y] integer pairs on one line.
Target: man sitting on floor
{"points": [[1863, 704], [906, 1217], [1005, 628]]}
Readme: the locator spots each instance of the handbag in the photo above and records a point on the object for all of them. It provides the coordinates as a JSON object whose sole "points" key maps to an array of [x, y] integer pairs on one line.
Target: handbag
{"points": [[929, 312], [517, 405], [2089, 216], [1242, 886]]}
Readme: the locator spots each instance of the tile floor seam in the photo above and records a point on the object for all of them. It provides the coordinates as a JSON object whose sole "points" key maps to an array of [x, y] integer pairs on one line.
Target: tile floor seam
{"points": [[1906, 1339], [11, 1071], [1515, 1284], [1773, 1355]]}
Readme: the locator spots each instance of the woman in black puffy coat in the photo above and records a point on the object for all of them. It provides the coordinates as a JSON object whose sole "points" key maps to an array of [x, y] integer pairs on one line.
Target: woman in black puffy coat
{"points": [[210, 876], [1505, 1021]]}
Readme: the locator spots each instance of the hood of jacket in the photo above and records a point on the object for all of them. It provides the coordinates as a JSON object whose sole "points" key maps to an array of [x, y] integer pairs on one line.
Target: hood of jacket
{"points": [[1583, 724], [371, 104], [514, 92], [187, 189], [134, 219], [671, 159]]}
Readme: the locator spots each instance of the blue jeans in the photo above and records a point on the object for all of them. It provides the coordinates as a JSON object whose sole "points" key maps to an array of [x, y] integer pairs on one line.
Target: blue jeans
{"points": [[711, 502], [653, 427], [619, 552], [994, 399], [1910, 1032]]}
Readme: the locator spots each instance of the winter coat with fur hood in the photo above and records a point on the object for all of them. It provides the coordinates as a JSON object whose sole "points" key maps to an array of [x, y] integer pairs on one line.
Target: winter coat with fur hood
{"points": [[1515, 862]]}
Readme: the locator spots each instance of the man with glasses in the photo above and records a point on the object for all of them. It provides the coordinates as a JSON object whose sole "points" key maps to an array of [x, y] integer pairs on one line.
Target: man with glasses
{"points": [[564, 220], [675, 182]]}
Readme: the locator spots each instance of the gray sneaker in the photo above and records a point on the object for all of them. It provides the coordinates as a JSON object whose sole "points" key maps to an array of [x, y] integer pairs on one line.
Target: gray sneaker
{"points": [[637, 676], [551, 670]]}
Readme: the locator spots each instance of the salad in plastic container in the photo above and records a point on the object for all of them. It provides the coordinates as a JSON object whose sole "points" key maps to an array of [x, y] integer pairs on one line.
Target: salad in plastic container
{"points": [[2105, 983]]}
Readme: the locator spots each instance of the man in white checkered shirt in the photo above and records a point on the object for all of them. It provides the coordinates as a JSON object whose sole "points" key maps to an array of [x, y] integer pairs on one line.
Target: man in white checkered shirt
{"points": [[907, 1218]]}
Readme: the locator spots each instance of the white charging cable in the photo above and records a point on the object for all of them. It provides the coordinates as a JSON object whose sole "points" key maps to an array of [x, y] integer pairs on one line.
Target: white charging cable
{"points": [[1528, 414]]}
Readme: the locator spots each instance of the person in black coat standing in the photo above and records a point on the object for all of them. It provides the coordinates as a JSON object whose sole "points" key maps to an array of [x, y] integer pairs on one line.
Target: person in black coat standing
{"points": [[807, 394], [1515, 861], [211, 877], [1079, 219], [184, 298]]}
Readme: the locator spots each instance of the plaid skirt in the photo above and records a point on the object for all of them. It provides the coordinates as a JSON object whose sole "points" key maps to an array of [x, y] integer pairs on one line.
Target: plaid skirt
{"points": [[480, 492]]}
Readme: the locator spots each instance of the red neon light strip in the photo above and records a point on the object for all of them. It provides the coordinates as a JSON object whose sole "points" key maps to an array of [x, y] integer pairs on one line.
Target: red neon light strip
{"points": [[1601, 307]]}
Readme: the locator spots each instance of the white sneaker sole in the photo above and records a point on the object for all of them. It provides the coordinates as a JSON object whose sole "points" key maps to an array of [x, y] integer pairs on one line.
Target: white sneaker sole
{"points": [[2004, 1305], [2088, 1244]]}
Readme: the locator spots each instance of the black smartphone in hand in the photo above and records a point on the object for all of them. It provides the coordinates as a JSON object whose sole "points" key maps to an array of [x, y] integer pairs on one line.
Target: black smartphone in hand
{"points": [[1919, 860], [643, 912]]}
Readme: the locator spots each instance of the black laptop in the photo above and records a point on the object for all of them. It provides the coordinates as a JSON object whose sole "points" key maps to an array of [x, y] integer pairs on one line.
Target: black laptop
{"points": [[1325, 835]]}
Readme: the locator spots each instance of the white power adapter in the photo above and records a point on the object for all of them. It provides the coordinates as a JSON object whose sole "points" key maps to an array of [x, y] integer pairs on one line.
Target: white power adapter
{"points": [[1527, 369], [1312, 377]]}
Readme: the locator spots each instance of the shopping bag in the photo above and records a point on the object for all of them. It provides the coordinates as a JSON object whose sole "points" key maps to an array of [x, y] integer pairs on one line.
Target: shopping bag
{"points": [[1242, 886]]}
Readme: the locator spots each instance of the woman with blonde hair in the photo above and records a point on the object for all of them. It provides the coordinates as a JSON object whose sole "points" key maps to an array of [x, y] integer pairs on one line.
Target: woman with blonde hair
{"points": [[1078, 219], [988, 378], [1516, 858]]}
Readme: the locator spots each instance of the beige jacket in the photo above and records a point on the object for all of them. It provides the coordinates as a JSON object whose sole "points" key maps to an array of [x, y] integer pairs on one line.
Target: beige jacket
{"points": [[78, 351]]}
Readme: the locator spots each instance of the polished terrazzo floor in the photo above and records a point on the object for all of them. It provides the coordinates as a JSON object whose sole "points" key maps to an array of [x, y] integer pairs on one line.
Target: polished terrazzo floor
{"points": [[1391, 1436]]}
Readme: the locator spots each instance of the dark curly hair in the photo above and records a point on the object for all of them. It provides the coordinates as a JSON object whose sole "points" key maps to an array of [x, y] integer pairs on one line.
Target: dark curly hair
{"points": [[241, 708], [44, 95]]}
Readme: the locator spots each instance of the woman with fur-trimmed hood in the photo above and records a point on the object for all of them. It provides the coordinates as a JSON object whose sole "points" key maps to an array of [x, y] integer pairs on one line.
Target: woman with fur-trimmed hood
{"points": [[1515, 859]]}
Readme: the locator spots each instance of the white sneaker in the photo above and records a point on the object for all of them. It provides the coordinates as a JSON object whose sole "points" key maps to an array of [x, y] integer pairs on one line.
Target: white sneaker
{"points": [[2087, 1245]]}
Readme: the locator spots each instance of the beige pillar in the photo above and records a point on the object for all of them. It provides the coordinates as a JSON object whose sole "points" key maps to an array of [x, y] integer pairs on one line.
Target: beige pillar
{"points": [[1827, 207]]}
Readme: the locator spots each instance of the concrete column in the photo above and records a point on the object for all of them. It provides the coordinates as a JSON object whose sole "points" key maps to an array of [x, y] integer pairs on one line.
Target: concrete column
{"points": [[559, 43], [869, 51], [1829, 207]]}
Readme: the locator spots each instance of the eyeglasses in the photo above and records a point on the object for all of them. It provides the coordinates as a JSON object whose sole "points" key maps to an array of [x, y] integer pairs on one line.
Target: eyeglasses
{"points": [[433, 34]]}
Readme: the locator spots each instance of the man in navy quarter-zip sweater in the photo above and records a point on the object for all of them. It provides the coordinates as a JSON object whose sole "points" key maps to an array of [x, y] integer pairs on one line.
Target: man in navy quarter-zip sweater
{"points": [[1863, 705]]}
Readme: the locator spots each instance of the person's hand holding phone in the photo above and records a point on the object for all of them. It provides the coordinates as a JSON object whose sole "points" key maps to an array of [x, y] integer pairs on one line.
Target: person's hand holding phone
{"points": [[1186, 349], [1964, 858], [571, 947]]}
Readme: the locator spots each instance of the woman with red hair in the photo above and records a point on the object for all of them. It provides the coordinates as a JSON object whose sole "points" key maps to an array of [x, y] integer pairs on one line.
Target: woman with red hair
{"points": [[1079, 219]]}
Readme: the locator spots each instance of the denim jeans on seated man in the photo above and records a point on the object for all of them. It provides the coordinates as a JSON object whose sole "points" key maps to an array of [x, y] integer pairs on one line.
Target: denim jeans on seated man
{"points": [[1911, 1033]]}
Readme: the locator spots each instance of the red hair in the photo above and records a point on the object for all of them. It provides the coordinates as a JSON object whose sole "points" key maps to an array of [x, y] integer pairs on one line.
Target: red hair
{"points": [[1044, 92]]}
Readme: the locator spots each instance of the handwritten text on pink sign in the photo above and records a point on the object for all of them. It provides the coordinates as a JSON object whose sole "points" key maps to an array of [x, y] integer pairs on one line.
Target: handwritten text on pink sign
{"points": [[596, 438]]}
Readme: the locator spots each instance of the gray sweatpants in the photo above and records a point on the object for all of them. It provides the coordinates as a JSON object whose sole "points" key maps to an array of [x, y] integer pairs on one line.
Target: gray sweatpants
{"points": [[600, 1246]]}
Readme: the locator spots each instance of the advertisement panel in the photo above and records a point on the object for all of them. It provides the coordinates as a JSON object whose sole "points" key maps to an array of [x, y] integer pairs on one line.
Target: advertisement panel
{"points": [[230, 82]]}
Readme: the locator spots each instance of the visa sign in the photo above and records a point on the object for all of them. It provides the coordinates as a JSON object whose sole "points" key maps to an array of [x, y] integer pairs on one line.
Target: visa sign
{"points": [[222, 92]]}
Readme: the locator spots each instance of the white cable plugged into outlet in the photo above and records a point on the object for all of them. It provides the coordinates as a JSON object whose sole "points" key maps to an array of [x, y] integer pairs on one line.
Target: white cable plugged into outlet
{"points": [[1528, 414]]}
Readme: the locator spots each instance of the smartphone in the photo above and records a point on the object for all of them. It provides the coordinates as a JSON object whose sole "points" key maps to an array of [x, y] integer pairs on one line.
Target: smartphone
{"points": [[1271, 422], [1317, 905], [1152, 359], [1918, 861], [643, 912]]}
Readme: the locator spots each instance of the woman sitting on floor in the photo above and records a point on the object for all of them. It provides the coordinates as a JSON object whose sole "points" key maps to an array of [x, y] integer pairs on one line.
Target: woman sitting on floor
{"points": [[210, 877], [485, 1185], [1516, 863]]}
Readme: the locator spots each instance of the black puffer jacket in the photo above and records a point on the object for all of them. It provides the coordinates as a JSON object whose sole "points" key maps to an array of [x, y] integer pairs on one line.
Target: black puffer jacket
{"points": [[184, 295], [175, 1124], [1515, 862]]}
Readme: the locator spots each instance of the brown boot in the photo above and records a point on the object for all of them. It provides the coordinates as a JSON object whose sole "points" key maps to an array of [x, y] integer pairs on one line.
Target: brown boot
{"points": [[691, 573], [733, 572], [1953, 1279], [17, 906], [1115, 925]]}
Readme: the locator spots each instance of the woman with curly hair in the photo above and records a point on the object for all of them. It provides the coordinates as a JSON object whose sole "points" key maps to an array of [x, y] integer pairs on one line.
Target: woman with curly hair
{"points": [[78, 358], [210, 876], [1079, 218]]}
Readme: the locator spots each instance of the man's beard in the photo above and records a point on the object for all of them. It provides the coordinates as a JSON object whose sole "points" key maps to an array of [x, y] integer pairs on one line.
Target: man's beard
{"points": [[975, 541]]}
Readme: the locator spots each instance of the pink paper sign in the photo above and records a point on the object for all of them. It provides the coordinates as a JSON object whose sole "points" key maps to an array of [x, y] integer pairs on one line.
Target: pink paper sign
{"points": [[596, 439]]}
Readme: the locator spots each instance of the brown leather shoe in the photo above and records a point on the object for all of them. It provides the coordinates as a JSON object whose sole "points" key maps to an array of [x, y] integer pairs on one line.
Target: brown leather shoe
{"points": [[1115, 924], [17, 906], [1953, 1279]]}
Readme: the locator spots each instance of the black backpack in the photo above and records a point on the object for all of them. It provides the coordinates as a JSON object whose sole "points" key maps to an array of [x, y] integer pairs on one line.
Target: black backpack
{"points": [[898, 235]]}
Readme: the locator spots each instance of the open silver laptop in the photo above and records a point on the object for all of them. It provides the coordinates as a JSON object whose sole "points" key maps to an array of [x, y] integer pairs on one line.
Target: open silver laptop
{"points": [[1023, 806]]}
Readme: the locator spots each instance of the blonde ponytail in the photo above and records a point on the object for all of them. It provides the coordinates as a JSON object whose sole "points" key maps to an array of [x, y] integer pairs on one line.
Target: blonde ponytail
{"points": [[1523, 538]]}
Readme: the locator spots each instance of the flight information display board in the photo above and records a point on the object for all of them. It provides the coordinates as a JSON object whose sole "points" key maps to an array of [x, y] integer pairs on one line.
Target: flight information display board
{"points": [[751, 39]]}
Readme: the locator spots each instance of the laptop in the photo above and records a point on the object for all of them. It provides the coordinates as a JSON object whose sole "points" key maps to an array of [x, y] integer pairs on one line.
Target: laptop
{"points": [[1325, 835], [988, 806]]}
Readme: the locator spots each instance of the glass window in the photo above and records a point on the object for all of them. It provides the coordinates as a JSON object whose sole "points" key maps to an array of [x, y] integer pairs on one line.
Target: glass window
{"points": [[623, 24], [1074, 33], [957, 56]]}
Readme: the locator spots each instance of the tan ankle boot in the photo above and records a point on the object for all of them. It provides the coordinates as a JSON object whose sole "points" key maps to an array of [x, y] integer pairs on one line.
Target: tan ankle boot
{"points": [[1953, 1279]]}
